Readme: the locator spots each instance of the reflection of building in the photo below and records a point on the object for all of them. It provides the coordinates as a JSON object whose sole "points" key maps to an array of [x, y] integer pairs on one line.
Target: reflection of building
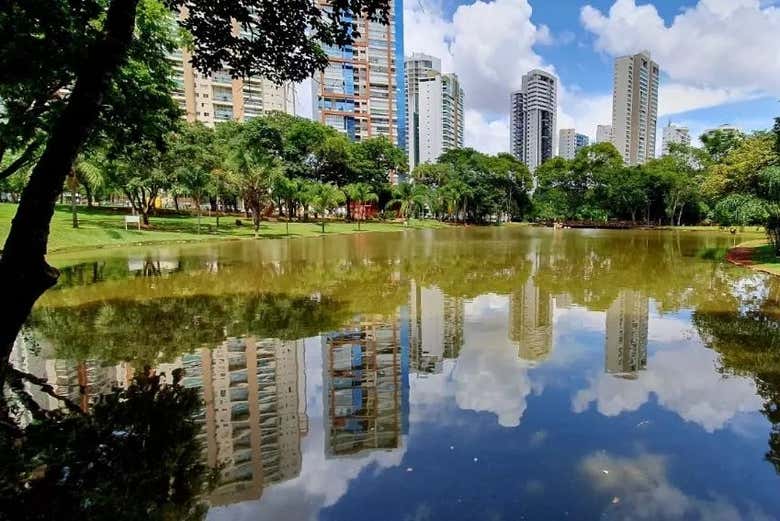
{"points": [[253, 417], [82, 382], [531, 327], [363, 381], [627, 324], [563, 301], [436, 328]]}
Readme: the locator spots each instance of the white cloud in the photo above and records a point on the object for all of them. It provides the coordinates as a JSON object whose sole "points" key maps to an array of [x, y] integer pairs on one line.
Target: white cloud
{"points": [[491, 137], [684, 381], [639, 488], [717, 44], [489, 375]]}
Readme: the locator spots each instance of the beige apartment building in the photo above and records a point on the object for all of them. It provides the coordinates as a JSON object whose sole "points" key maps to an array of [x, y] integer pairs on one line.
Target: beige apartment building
{"points": [[635, 107]]}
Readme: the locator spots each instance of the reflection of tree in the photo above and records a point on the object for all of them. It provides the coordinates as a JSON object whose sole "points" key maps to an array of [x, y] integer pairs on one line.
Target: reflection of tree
{"points": [[160, 330], [749, 344], [136, 456], [593, 270]]}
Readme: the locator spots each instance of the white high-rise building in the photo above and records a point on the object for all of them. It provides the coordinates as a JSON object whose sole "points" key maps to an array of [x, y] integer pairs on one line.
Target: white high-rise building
{"points": [[674, 134], [635, 107], [434, 104], [533, 119], [604, 134], [569, 143]]}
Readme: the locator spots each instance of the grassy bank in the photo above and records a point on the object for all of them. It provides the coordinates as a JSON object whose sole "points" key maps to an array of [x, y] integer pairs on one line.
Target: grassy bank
{"points": [[757, 255], [100, 227]]}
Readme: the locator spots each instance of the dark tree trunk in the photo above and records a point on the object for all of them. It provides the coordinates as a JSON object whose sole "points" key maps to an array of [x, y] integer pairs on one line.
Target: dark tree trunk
{"points": [[24, 272], [176, 202]]}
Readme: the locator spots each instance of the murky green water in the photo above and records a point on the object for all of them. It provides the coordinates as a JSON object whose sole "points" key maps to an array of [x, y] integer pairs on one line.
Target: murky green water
{"points": [[489, 373]]}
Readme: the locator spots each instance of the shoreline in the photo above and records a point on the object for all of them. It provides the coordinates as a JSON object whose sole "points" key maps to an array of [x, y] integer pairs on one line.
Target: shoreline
{"points": [[754, 255]]}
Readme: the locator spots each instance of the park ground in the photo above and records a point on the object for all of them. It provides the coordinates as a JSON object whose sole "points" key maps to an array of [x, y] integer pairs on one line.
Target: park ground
{"points": [[756, 255], [102, 227]]}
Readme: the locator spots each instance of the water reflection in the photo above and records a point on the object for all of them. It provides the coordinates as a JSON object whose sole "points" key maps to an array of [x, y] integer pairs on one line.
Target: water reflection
{"points": [[522, 362]]}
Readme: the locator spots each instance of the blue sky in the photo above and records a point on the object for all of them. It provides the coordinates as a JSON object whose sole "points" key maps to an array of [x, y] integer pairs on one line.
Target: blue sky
{"points": [[719, 58]]}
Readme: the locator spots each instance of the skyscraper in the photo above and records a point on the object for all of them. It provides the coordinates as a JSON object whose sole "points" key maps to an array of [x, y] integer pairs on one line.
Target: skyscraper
{"points": [[434, 104], [569, 143], [360, 93], [635, 107], [533, 118], [674, 134], [604, 134]]}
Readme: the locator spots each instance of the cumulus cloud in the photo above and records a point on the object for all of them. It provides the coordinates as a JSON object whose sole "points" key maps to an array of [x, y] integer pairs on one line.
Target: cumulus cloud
{"points": [[727, 45], [684, 381], [489, 375], [642, 490], [490, 45], [708, 54]]}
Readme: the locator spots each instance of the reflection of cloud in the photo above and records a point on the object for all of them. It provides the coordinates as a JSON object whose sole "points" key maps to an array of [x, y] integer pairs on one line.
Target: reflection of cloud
{"points": [[489, 376], [640, 489], [684, 380]]}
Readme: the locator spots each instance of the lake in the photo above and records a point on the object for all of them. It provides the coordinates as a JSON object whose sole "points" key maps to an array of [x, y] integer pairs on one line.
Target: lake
{"points": [[484, 373]]}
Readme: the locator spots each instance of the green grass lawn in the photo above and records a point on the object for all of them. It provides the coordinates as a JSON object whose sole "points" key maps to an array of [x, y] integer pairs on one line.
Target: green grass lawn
{"points": [[99, 227]]}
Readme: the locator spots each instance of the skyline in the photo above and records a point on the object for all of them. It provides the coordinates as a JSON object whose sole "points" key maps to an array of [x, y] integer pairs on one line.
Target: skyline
{"points": [[490, 45]]}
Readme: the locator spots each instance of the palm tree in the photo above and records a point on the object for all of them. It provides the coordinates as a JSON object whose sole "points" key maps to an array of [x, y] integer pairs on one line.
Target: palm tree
{"points": [[283, 190], [325, 197], [457, 195], [408, 198], [252, 173], [361, 193], [87, 174]]}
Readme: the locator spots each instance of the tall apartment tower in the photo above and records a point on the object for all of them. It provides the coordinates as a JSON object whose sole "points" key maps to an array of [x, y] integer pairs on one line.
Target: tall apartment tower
{"points": [[569, 143], [434, 105], [361, 91], [674, 135], [603, 133], [533, 118], [219, 97], [418, 66], [635, 107]]}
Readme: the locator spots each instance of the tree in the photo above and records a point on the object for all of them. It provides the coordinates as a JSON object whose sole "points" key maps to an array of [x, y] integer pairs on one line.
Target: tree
{"points": [[87, 174], [141, 172], [377, 159], [252, 176], [719, 143], [101, 34], [408, 199], [325, 197], [195, 161], [361, 193], [146, 434], [283, 190]]}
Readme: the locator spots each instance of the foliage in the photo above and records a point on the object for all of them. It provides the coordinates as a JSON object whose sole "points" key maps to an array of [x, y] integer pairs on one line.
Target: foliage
{"points": [[325, 197], [361, 193], [408, 199], [135, 455]]}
